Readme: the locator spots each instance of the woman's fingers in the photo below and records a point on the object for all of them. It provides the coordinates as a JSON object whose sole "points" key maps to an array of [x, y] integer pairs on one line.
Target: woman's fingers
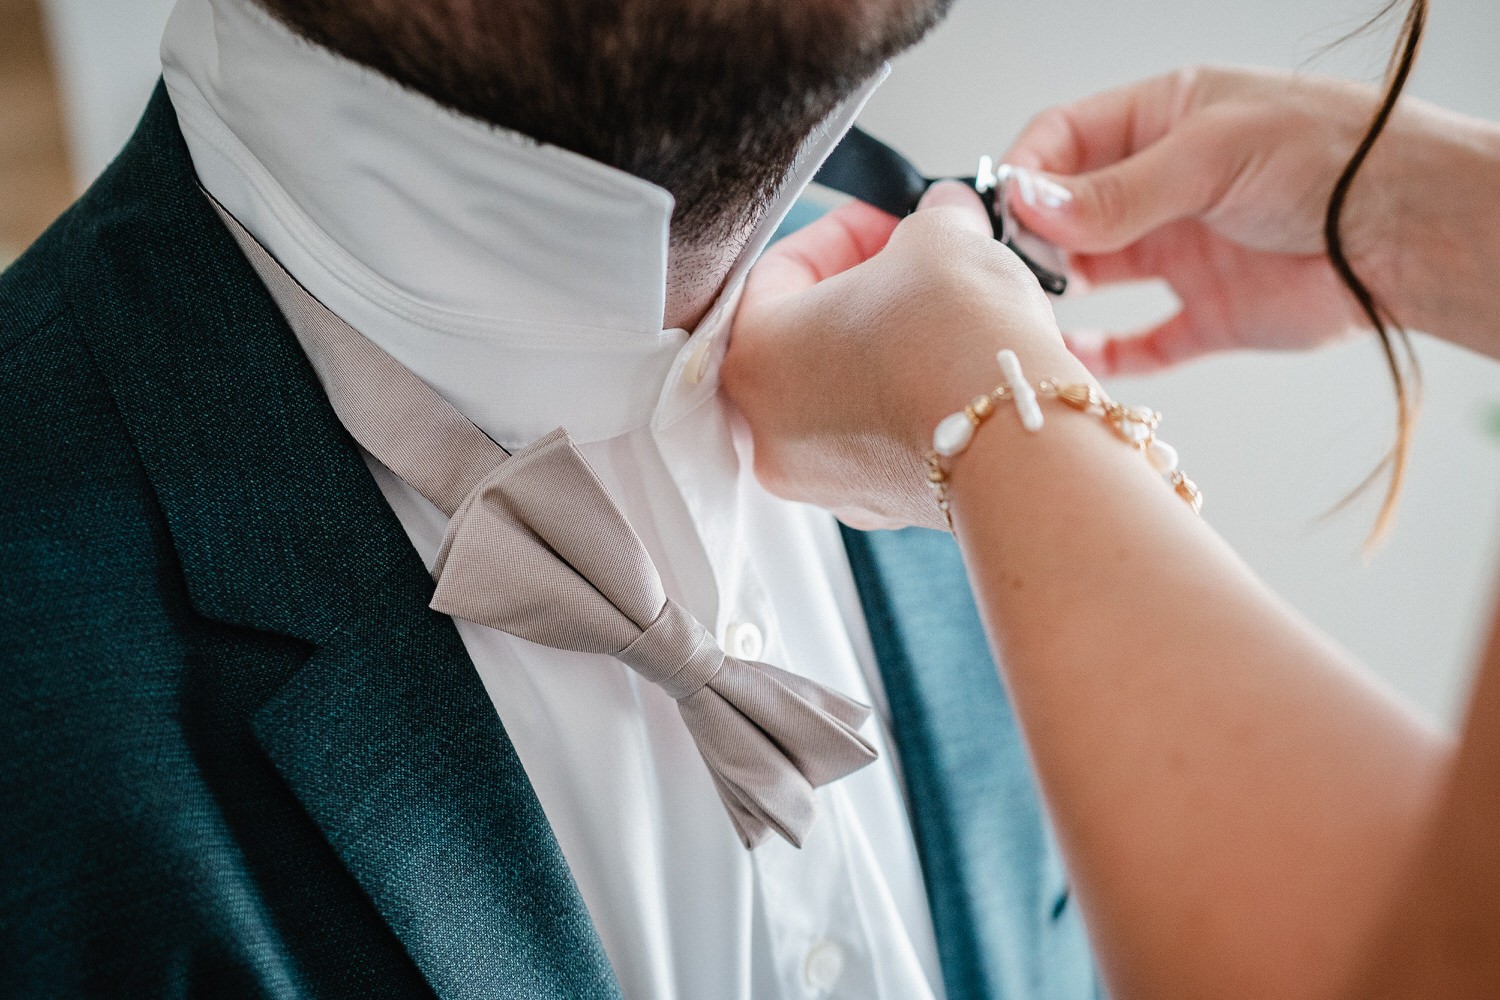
{"points": [[1100, 129], [848, 235], [1108, 169], [1165, 345], [962, 204], [1179, 176]]}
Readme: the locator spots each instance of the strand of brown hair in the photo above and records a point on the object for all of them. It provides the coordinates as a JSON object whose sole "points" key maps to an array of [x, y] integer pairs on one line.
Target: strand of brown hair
{"points": [[1394, 339]]}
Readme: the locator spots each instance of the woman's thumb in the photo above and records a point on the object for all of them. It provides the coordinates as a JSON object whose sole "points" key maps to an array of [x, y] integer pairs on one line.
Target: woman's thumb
{"points": [[960, 204], [1109, 209]]}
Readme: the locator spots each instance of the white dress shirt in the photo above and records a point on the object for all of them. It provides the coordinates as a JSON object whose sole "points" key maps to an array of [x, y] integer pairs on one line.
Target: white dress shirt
{"points": [[527, 285]]}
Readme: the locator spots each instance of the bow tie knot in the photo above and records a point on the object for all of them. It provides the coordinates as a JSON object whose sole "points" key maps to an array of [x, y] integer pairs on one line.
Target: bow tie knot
{"points": [[675, 652]]}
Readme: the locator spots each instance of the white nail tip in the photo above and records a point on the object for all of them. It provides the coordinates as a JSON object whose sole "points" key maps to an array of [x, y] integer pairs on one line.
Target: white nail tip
{"points": [[1035, 189], [1052, 195], [1027, 184]]}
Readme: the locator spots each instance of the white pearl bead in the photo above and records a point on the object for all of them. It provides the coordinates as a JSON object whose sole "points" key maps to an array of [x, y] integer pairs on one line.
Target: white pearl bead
{"points": [[952, 435], [1134, 433], [1021, 392], [1162, 456]]}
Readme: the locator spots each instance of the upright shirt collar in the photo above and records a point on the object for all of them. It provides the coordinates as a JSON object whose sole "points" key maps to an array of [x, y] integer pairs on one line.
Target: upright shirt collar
{"points": [[525, 283]]}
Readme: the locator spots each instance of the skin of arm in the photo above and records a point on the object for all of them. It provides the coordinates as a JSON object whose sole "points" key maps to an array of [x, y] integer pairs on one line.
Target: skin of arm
{"points": [[1436, 281], [1235, 799], [1438, 939]]}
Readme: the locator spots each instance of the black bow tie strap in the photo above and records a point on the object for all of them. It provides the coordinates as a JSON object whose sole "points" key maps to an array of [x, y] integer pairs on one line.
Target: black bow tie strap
{"points": [[863, 167]]}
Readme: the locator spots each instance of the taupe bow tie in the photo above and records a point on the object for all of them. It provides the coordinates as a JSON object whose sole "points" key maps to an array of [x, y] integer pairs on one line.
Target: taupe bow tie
{"points": [[538, 548]]}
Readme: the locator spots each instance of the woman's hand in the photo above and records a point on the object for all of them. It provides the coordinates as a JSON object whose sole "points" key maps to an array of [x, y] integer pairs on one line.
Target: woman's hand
{"points": [[1217, 180], [857, 335]]}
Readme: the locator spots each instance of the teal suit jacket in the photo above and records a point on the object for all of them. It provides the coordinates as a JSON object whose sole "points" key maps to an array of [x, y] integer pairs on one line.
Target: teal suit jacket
{"points": [[239, 756]]}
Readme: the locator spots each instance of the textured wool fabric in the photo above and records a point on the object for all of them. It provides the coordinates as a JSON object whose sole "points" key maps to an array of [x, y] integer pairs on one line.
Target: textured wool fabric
{"points": [[240, 757]]}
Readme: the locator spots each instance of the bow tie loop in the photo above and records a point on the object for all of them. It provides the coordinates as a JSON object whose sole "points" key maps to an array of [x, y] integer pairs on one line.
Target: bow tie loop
{"points": [[675, 652], [570, 574], [813, 726], [775, 742]]}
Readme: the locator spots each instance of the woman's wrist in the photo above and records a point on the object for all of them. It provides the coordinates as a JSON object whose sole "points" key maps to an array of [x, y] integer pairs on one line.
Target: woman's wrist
{"points": [[1135, 427], [1439, 183], [971, 370]]}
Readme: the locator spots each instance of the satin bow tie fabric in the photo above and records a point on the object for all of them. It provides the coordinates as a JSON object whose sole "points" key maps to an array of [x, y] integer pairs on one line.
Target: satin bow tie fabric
{"points": [[536, 547]]}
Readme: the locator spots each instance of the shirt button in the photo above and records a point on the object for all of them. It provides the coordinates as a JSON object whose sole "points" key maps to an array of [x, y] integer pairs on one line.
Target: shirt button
{"points": [[697, 363], [744, 640], [823, 966]]}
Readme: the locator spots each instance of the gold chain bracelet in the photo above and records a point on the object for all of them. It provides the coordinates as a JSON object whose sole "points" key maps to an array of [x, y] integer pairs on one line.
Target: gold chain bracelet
{"points": [[1135, 425]]}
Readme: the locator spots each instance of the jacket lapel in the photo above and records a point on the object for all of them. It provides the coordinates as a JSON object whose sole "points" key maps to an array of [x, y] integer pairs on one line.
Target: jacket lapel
{"points": [[385, 734], [993, 878]]}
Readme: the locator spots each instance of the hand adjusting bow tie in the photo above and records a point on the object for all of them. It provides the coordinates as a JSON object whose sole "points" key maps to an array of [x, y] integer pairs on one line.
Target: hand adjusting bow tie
{"points": [[538, 548], [865, 168]]}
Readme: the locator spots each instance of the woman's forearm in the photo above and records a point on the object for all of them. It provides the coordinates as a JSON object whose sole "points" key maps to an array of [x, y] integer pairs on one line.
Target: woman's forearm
{"points": [[1208, 759], [1438, 941]]}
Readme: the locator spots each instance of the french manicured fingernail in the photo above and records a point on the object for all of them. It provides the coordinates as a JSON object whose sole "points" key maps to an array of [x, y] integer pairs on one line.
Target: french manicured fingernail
{"points": [[1051, 193], [1038, 191], [1027, 185]]}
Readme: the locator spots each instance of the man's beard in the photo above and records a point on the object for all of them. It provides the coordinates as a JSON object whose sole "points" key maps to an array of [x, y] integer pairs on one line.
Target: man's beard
{"points": [[710, 99]]}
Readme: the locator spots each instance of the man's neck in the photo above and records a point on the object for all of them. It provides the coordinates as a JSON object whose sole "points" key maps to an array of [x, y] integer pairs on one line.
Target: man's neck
{"points": [[696, 277]]}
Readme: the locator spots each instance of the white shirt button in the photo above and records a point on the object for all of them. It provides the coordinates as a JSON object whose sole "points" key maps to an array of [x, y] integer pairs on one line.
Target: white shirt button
{"points": [[823, 966], [698, 362], [744, 640]]}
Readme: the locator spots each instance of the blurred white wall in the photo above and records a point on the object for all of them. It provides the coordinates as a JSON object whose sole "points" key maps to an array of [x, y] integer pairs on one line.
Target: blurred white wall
{"points": [[1273, 441], [105, 52]]}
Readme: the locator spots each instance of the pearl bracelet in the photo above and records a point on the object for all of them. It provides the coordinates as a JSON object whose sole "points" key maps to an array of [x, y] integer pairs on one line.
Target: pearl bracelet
{"points": [[1135, 425]]}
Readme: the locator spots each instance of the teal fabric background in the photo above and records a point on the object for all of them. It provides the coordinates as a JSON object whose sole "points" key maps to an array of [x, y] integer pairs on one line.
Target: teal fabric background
{"points": [[238, 754]]}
